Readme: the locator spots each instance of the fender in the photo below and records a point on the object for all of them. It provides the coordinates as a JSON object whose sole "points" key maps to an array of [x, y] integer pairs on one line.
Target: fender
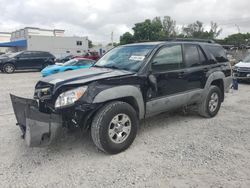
{"points": [[214, 76], [121, 92]]}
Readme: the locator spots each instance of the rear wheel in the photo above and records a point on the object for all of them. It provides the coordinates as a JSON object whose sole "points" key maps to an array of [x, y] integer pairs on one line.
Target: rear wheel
{"points": [[114, 127], [9, 68], [211, 105]]}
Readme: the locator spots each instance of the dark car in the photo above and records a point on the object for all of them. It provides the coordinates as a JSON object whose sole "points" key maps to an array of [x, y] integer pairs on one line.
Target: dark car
{"points": [[128, 84], [91, 55], [64, 59], [25, 60]]}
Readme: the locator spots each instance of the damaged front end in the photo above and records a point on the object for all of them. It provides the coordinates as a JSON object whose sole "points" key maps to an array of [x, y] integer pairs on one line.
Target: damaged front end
{"points": [[39, 129]]}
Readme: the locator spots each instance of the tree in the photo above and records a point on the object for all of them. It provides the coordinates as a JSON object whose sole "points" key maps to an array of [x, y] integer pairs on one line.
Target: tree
{"points": [[149, 30], [142, 31], [238, 39], [215, 31], [194, 30], [197, 30], [156, 29], [90, 44], [169, 27], [126, 38]]}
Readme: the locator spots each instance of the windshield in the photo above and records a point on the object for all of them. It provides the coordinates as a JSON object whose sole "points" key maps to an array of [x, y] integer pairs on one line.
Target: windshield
{"points": [[247, 59], [71, 62], [125, 57]]}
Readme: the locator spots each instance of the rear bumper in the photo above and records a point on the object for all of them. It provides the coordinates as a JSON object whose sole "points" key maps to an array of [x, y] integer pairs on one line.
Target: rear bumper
{"points": [[39, 129]]}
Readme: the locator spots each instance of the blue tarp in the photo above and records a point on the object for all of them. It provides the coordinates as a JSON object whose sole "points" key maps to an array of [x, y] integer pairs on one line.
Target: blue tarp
{"points": [[18, 43]]}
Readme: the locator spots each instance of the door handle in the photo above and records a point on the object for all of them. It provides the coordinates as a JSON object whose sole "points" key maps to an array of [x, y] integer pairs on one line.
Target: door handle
{"points": [[205, 69], [181, 74]]}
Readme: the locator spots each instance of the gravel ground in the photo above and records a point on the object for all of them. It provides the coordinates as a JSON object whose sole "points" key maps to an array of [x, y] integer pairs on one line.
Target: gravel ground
{"points": [[170, 150]]}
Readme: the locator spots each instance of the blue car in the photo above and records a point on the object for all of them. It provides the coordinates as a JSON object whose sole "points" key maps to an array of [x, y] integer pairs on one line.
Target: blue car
{"points": [[73, 64]]}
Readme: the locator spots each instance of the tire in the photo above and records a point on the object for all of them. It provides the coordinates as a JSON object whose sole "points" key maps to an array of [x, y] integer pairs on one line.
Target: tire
{"points": [[9, 68], [104, 131], [211, 105], [68, 70]]}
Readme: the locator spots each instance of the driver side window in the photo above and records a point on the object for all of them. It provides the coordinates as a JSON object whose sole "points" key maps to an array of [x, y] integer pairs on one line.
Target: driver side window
{"points": [[25, 54], [168, 58]]}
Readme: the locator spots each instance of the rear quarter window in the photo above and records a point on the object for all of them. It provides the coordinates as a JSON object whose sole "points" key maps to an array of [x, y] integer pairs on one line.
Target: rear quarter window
{"points": [[47, 54], [218, 52]]}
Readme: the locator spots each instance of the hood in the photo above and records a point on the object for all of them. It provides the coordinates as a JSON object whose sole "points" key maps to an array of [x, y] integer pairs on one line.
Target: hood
{"points": [[4, 58], [243, 64], [51, 68], [82, 76]]}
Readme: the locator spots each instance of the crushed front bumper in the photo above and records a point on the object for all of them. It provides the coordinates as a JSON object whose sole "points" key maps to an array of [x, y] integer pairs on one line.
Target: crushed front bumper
{"points": [[39, 129]]}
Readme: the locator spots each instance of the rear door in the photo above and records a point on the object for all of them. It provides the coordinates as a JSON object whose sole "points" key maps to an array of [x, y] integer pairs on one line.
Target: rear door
{"points": [[24, 60], [44, 59], [195, 62]]}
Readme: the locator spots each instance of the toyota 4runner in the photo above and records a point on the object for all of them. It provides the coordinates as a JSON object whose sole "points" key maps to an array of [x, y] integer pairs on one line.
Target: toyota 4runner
{"points": [[126, 85]]}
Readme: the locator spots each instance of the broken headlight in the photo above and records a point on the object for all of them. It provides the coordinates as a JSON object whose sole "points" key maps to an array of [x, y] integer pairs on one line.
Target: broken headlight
{"points": [[69, 97]]}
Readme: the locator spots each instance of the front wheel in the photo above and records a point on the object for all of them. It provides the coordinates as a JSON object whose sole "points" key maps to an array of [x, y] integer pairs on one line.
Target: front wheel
{"points": [[211, 105], [8, 68], [114, 127]]}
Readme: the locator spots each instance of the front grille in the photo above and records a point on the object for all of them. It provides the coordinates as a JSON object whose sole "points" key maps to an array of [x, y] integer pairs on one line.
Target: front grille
{"points": [[243, 69]]}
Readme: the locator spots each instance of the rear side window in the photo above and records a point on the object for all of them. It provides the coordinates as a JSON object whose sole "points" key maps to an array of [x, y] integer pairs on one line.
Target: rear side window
{"points": [[47, 54], [218, 53], [26, 54], [191, 55]]}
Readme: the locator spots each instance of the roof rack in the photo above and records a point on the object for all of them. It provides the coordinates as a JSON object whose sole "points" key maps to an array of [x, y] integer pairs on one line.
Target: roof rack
{"points": [[191, 40]]}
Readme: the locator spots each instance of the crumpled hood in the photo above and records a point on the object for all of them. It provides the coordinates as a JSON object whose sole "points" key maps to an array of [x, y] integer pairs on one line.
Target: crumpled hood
{"points": [[82, 76], [243, 64]]}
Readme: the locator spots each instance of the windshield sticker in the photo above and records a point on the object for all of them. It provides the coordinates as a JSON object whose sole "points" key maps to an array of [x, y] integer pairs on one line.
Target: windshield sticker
{"points": [[136, 58]]}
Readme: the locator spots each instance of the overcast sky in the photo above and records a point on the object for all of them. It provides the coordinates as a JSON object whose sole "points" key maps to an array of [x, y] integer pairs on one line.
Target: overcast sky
{"points": [[98, 18]]}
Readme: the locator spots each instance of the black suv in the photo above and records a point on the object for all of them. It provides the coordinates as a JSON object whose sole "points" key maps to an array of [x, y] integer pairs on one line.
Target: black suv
{"points": [[128, 84], [25, 60]]}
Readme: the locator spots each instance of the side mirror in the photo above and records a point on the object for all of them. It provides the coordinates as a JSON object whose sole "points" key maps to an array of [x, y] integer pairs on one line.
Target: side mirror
{"points": [[211, 61]]}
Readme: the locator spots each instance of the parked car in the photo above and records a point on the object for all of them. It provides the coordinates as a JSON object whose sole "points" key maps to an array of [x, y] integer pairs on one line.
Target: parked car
{"points": [[128, 84], [92, 55], [26, 60], [64, 59], [242, 69], [73, 64]]}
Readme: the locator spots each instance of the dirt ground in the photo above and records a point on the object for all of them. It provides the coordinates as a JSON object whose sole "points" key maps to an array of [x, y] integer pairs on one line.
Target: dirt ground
{"points": [[170, 150]]}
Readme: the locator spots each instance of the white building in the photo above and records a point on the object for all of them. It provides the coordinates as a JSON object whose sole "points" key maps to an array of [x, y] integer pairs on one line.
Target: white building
{"points": [[4, 37], [52, 41]]}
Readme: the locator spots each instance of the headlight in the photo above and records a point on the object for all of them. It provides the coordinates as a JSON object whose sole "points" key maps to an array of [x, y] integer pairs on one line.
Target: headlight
{"points": [[69, 97]]}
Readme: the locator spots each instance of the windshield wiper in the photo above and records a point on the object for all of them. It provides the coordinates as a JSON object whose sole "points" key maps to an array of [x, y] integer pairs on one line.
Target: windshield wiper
{"points": [[112, 67], [98, 66]]}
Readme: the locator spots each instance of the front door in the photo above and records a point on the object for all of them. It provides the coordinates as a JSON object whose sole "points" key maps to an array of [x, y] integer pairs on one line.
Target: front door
{"points": [[169, 73]]}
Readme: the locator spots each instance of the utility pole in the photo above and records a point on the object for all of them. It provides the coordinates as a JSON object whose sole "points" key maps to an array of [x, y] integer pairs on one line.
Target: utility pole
{"points": [[112, 39], [238, 27]]}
